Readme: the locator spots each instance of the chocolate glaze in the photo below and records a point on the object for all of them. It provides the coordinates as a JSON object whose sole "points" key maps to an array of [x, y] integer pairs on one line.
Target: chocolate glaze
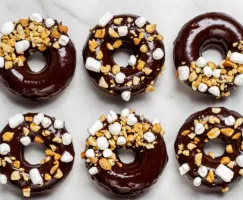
{"points": [[207, 160], [154, 65], [17, 151]]}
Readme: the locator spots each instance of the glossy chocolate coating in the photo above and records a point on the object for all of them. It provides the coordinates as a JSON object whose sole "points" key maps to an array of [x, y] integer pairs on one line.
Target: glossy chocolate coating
{"points": [[206, 159], [17, 151], [129, 71]]}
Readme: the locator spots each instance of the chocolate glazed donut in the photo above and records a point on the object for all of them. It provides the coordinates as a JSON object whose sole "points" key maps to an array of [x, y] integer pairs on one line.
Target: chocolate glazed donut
{"points": [[29, 36], [142, 137], [210, 30]]}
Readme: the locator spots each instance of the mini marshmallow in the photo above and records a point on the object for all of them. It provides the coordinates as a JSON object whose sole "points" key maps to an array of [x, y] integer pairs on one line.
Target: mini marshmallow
{"points": [[63, 40], [236, 57], [214, 91], [125, 112], [149, 136], [66, 157], [239, 161], [202, 87], [229, 121], [90, 153], [38, 118], [123, 31], [107, 153], [58, 124], [49, 22], [112, 117], [16, 120], [35, 177], [126, 95], [36, 17], [202, 171], [93, 170], [3, 179], [239, 80], [199, 128], [102, 143], [201, 62], [155, 121], [115, 128], [22, 46], [66, 139], [132, 60], [4, 149], [183, 72], [25, 141], [216, 73], [121, 140], [208, 71], [7, 28], [98, 125], [224, 172], [46, 122], [131, 119], [105, 19], [92, 64], [184, 169], [140, 22], [197, 181], [120, 77], [158, 54], [1, 62]]}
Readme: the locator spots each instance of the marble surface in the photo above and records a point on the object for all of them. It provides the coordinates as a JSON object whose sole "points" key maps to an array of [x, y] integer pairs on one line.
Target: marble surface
{"points": [[82, 103]]}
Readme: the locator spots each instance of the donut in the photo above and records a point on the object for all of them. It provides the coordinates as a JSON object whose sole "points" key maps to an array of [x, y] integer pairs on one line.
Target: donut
{"points": [[144, 65], [127, 130], [210, 30], [23, 38], [23, 130], [205, 168]]}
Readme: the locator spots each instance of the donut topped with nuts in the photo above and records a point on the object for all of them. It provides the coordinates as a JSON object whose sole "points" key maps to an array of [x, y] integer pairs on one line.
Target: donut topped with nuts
{"points": [[206, 168], [129, 131], [144, 65], [210, 30], [21, 131]]}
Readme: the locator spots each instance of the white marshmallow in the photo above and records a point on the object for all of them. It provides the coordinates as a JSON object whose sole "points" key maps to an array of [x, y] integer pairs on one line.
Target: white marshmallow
{"points": [[63, 40], [239, 80], [216, 73], [214, 91], [126, 95], [22, 46], [199, 129], [1, 62], [36, 17], [140, 22], [197, 181], [184, 169], [115, 128], [46, 122], [25, 141], [224, 172], [183, 72], [49, 22], [93, 170], [4, 149], [229, 121], [102, 143], [35, 177], [202, 171], [66, 157], [201, 62], [105, 19], [132, 60], [155, 121], [236, 57], [121, 140], [7, 28], [3, 179], [58, 124], [158, 54], [93, 65], [66, 139], [239, 161], [112, 117], [202, 87], [38, 118], [90, 153], [107, 153], [131, 119], [16, 120], [123, 31], [98, 125], [208, 71], [120, 77], [149, 136], [125, 112]]}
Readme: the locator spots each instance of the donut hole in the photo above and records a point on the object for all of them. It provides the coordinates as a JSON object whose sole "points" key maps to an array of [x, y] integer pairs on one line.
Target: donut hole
{"points": [[37, 62], [34, 153], [126, 156], [216, 146], [122, 55], [214, 55]]}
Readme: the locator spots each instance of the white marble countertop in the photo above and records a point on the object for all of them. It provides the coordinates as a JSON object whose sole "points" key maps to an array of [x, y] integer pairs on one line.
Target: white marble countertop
{"points": [[81, 103]]}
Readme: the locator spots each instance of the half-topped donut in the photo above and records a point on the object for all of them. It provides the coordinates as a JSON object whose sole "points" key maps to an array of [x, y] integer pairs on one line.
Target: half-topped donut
{"points": [[24, 37], [144, 66], [210, 30], [129, 131]]}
